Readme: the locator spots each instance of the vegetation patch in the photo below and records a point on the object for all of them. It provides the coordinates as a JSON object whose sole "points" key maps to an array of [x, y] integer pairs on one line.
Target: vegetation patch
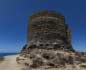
{"points": [[1, 59]]}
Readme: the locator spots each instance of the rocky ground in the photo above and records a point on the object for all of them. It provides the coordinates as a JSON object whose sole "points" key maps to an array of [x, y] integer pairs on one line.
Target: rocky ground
{"points": [[41, 59], [22, 62]]}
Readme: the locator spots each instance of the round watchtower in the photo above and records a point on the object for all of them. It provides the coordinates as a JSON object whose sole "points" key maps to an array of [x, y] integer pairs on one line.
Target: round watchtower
{"points": [[47, 29]]}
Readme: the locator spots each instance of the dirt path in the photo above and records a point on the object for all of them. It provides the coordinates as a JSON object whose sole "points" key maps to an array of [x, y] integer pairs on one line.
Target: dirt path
{"points": [[10, 63]]}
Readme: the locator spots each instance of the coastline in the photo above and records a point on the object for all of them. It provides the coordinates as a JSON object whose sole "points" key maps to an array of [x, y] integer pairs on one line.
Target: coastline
{"points": [[7, 54]]}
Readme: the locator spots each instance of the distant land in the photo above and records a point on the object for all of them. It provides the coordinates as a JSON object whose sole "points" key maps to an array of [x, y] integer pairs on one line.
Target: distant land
{"points": [[6, 54]]}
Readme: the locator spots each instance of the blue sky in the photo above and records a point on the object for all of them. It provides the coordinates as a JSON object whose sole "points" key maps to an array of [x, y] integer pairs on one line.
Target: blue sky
{"points": [[14, 16]]}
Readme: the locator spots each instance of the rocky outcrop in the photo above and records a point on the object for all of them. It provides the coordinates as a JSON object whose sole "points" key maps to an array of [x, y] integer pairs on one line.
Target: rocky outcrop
{"points": [[48, 59]]}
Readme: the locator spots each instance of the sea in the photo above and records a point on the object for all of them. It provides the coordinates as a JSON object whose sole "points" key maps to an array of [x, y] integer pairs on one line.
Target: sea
{"points": [[6, 54]]}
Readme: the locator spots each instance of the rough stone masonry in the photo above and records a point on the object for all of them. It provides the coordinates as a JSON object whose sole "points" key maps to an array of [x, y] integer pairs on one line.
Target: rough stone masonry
{"points": [[47, 29]]}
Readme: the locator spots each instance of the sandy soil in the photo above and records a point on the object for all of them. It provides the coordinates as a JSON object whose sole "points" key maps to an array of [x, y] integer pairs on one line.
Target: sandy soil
{"points": [[10, 63]]}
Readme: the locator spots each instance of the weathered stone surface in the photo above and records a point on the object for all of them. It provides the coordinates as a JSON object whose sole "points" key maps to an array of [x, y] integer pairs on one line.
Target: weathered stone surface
{"points": [[48, 29], [52, 58]]}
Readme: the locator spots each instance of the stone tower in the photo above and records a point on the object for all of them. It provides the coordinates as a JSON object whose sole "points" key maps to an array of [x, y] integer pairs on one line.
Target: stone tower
{"points": [[47, 30], [48, 44]]}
